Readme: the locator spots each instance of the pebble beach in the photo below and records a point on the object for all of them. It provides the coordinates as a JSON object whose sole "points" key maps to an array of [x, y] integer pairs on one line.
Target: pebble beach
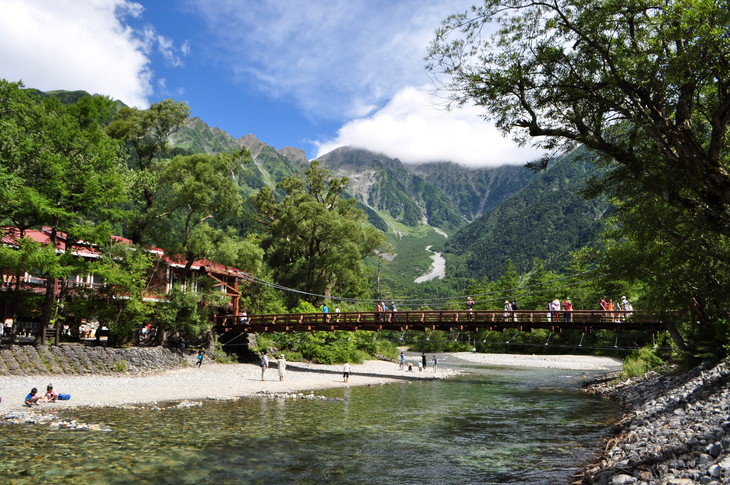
{"points": [[221, 381], [210, 381]]}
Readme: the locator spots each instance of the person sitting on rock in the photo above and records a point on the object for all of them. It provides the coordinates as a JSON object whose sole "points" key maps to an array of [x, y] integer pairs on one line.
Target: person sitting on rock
{"points": [[32, 398], [51, 395]]}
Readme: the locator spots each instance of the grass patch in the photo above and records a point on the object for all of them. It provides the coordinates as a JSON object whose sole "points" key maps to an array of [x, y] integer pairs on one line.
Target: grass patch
{"points": [[120, 366]]}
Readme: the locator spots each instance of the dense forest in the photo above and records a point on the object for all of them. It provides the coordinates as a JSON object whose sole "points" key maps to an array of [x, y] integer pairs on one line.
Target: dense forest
{"points": [[633, 202]]}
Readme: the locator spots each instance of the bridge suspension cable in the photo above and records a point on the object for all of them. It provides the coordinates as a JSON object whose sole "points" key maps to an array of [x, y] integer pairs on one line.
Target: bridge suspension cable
{"points": [[276, 286]]}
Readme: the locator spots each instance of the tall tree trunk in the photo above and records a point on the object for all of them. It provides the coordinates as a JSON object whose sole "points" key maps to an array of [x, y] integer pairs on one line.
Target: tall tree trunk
{"points": [[48, 299], [47, 310]]}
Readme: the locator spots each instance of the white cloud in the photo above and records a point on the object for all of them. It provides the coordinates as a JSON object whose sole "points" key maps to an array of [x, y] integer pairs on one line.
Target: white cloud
{"points": [[71, 44], [412, 128], [334, 59], [167, 50]]}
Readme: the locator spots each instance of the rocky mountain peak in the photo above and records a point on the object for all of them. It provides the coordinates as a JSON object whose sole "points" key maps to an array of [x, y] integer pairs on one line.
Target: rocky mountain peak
{"points": [[296, 155], [254, 145]]}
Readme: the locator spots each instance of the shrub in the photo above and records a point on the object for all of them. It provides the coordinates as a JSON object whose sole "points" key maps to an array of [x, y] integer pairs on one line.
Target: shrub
{"points": [[640, 362]]}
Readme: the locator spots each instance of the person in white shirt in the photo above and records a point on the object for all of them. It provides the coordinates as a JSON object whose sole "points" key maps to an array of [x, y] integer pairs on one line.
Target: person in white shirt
{"points": [[346, 372]]}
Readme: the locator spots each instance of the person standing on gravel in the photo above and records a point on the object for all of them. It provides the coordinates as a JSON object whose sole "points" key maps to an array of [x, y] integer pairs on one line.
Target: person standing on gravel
{"points": [[346, 372], [264, 363], [281, 367]]}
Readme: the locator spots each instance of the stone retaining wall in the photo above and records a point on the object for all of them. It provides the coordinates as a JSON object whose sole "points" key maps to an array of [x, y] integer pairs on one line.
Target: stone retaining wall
{"points": [[75, 359]]}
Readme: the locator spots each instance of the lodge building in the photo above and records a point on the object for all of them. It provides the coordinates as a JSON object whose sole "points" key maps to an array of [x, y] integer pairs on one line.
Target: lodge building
{"points": [[165, 272]]}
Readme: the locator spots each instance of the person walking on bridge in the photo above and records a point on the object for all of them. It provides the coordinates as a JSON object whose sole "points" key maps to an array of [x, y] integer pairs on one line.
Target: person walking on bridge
{"points": [[515, 307], [626, 307], [556, 310], [567, 310]]}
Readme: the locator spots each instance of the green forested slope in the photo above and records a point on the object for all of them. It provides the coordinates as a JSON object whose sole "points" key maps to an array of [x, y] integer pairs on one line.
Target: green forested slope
{"points": [[547, 219], [475, 191]]}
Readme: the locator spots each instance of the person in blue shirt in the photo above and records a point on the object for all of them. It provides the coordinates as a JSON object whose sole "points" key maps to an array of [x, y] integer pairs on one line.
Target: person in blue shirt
{"points": [[32, 398]]}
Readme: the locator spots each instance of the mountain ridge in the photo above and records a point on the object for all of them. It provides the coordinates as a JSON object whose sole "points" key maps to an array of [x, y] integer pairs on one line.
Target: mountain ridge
{"points": [[491, 213]]}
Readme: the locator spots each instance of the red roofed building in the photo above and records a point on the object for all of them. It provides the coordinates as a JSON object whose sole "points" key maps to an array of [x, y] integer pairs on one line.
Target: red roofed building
{"points": [[166, 272]]}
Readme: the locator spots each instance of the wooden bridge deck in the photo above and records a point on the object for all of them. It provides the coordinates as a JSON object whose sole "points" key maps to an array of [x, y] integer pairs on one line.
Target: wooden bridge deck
{"points": [[446, 320]]}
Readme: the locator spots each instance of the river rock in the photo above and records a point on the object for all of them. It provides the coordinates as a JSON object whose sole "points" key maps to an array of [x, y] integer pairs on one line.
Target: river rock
{"points": [[675, 429], [623, 480]]}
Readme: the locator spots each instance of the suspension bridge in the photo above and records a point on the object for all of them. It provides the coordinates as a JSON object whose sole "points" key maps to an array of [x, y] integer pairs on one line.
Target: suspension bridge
{"points": [[446, 320]]}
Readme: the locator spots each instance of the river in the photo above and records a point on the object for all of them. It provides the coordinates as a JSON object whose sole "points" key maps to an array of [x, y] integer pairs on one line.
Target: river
{"points": [[492, 426]]}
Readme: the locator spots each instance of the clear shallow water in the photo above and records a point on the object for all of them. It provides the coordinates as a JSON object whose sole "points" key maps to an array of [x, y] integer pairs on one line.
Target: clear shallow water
{"points": [[493, 426]]}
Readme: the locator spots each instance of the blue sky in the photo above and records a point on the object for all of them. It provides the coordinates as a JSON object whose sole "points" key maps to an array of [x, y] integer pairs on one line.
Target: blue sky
{"points": [[312, 74]]}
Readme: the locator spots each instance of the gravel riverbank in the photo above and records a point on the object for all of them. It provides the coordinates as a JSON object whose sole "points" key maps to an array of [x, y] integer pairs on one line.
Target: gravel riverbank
{"points": [[210, 381], [220, 381], [572, 362], [675, 431]]}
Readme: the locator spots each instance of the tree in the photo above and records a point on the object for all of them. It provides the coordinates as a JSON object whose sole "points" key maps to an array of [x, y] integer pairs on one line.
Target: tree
{"points": [[58, 169], [316, 240], [645, 84], [120, 302], [192, 192], [146, 133]]}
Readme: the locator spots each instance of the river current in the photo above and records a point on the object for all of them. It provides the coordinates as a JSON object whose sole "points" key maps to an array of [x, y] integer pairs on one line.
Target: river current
{"points": [[492, 426]]}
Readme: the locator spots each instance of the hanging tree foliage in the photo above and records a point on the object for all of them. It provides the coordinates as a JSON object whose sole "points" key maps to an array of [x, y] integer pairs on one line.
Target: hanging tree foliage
{"points": [[646, 85]]}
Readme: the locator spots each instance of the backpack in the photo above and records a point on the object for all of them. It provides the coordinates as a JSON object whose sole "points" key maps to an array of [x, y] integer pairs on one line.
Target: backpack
{"points": [[64, 397]]}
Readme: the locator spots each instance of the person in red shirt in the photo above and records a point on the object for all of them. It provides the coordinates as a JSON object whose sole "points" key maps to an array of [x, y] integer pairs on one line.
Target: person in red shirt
{"points": [[567, 309]]}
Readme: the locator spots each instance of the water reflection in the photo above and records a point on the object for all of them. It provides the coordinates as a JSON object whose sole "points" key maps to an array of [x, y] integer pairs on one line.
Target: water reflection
{"points": [[493, 426]]}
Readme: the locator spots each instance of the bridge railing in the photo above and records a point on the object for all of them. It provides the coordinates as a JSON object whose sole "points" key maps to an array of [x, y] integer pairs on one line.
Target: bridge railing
{"points": [[437, 320]]}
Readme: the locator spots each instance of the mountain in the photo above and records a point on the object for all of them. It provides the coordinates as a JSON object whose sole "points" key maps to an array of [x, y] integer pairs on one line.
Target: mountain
{"points": [[269, 165], [547, 219], [475, 191], [442, 195], [492, 214]]}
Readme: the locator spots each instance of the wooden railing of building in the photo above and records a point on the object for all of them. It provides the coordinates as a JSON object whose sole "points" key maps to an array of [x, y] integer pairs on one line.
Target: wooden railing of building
{"points": [[446, 320]]}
